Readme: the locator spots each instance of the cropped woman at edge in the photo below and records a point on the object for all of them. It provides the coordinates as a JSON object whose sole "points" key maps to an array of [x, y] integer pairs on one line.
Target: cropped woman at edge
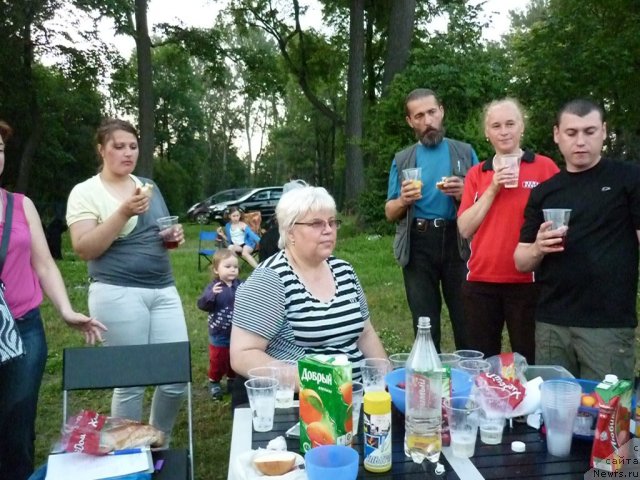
{"points": [[28, 270], [494, 292], [302, 299], [112, 222]]}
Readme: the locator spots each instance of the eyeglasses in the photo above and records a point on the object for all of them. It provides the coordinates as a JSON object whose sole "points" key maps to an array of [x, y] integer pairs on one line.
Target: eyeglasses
{"points": [[319, 225]]}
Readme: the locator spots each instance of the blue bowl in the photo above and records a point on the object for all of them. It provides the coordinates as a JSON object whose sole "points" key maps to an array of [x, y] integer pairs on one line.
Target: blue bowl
{"points": [[335, 462], [460, 384]]}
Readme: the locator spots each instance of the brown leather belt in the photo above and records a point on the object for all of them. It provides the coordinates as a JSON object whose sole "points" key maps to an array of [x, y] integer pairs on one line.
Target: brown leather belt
{"points": [[424, 224]]}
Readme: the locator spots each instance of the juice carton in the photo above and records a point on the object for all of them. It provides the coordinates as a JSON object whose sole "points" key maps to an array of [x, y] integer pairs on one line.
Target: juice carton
{"points": [[325, 401], [612, 428]]}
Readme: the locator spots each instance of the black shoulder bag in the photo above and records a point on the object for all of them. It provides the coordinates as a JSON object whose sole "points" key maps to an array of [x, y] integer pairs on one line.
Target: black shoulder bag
{"points": [[10, 341]]}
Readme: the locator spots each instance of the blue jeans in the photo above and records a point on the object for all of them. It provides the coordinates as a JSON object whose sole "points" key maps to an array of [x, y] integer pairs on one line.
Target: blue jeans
{"points": [[19, 387]]}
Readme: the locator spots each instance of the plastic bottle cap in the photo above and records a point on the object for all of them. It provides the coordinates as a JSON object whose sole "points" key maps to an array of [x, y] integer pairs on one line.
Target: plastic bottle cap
{"points": [[518, 447], [611, 378], [377, 403]]}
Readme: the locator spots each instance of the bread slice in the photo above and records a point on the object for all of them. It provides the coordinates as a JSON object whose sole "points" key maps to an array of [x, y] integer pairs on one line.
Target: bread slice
{"points": [[275, 463], [147, 189]]}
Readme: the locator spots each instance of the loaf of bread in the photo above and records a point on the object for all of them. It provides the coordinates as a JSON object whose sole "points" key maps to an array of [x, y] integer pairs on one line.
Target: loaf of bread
{"points": [[130, 435], [147, 189], [275, 463]]}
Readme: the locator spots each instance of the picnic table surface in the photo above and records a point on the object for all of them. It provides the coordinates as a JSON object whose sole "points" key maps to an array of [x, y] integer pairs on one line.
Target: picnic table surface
{"points": [[489, 461]]}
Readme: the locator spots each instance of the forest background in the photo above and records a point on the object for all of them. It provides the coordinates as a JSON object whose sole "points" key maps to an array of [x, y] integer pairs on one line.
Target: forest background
{"points": [[325, 104]]}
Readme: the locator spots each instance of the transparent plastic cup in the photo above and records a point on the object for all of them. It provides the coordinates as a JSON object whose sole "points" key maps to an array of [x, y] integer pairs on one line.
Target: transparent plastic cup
{"points": [[512, 162], [287, 375], [168, 231], [398, 360], [262, 399], [494, 403], [463, 414], [356, 406], [373, 373], [450, 360], [413, 174], [559, 400], [469, 354], [560, 218]]}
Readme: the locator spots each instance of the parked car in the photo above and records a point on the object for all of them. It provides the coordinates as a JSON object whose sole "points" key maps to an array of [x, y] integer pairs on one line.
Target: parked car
{"points": [[199, 212], [262, 199]]}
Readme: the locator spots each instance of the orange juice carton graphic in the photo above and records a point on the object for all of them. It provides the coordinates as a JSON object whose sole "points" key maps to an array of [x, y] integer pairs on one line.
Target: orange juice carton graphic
{"points": [[325, 401], [612, 428]]}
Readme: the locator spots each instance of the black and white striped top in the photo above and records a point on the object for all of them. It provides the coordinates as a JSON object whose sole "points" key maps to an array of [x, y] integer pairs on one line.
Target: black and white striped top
{"points": [[275, 304]]}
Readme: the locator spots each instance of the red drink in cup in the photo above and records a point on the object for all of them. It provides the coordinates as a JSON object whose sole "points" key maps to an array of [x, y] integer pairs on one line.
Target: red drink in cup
{"points": [[169, 231], [170, 244], [560, 219]]}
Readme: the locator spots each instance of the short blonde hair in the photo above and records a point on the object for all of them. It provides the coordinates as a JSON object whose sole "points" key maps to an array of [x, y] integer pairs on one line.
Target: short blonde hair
{"points": [[299, 202], [503, 101]]}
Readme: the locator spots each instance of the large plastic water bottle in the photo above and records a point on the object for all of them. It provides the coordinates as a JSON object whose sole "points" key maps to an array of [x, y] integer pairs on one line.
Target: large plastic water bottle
{"points": [[423, 411]]}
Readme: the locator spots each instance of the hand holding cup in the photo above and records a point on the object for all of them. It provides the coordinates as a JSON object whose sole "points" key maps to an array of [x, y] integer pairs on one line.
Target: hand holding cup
{"points": [[411, 188], [559, 218], [451, 186], [170, 231], [508, 169]]}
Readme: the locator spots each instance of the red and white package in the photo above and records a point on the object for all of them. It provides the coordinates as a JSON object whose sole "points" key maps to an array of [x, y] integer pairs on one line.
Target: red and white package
{"points": [[95, 434], [514, 387]]}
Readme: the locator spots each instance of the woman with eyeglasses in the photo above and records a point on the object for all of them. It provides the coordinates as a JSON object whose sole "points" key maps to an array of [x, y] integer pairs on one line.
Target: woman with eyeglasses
{"points": [[302, 300]]}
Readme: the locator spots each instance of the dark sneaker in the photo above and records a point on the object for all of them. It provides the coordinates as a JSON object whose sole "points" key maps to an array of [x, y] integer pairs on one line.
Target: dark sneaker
{"points": [[216, 391]]}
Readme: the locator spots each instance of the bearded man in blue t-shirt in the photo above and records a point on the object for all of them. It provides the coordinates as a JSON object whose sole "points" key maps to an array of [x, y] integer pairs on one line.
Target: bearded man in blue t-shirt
{"points": [[427, 244]]}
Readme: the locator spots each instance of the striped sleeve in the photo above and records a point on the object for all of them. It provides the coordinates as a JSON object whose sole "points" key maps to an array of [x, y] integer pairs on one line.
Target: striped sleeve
{"points": [[364, 306], [259, 306]]}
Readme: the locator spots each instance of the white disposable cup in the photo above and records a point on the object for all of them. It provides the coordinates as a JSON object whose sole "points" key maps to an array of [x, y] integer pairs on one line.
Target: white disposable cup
{"points": [[373, 373], [494, 402], [512, 162], [262, 399], [559, 400], [463, 416], [356, 405], [286, 372]]}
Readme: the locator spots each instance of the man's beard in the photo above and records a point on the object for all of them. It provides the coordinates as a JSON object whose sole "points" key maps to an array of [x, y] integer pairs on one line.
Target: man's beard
{"points": [[431, 137]]}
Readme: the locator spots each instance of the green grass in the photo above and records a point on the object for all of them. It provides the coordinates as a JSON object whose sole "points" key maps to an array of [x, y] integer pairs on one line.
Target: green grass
{"points": [[374, 263]]}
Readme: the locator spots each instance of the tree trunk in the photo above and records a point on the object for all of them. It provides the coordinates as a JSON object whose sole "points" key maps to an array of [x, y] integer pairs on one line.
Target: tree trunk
{"points": [[145, 91], [401, 22], [26, 159], [370, 66], [248, 134], [354, 177]]}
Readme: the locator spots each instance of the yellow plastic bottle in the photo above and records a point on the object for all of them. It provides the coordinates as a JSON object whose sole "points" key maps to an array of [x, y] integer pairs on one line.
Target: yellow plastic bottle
{"points": [[377, 431]]}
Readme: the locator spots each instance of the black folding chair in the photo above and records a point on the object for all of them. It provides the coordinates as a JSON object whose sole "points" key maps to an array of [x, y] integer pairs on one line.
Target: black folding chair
{"points": [[92, 368]]}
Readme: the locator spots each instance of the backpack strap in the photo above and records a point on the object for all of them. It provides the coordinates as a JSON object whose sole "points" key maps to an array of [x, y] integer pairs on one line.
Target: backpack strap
{"points": [[6, 231]]}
